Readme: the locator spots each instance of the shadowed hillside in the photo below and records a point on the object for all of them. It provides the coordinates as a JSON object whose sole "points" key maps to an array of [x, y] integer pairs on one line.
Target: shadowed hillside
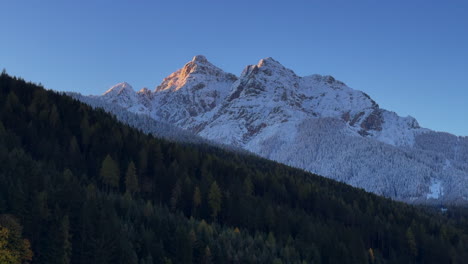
{"points": [[88, 189]]}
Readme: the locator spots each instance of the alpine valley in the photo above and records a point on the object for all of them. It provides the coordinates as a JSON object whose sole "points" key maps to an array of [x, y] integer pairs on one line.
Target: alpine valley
{"points": [[315, 123]]}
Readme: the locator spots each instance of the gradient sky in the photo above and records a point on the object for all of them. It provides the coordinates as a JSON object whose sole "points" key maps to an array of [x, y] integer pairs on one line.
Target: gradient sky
{"points": [[409, 56]]}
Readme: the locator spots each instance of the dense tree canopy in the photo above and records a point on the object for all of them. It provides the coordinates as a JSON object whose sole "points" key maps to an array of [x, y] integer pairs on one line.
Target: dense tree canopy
{"points": [[13, 248], [88, 189]]}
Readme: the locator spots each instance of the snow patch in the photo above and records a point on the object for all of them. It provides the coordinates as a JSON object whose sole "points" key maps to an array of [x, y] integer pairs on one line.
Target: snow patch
{"points": [[435, 189]]}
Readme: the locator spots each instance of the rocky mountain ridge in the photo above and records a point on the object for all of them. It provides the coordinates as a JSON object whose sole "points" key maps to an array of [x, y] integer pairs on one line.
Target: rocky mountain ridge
{"points": [[314, 122]]}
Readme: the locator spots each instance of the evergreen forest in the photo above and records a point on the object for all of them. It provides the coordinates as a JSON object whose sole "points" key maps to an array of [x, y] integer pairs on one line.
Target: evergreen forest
{"points": [[77, 186]]}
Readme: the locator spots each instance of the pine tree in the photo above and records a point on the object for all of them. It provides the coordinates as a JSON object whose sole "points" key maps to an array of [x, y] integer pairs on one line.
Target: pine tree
{"points": [[271, 241], [54, 117], [148, 210], [74, 148], [2, 130], [143, 162], [175, 195], [110, 172], [196, 199], [411, 242], [214, 199], [12, 103], [207, 256], [248, 186], [85, 131], [131, 179], [66, 240]]}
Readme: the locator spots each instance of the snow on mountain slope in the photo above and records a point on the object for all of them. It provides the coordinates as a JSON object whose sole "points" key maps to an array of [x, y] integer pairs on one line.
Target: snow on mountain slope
{"points": [[122, 94], [315, 122], [137, 120], [191, 92], [147, 124]]}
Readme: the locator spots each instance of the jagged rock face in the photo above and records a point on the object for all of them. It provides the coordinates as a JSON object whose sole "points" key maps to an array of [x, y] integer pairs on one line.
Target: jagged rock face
{"points": [[268, 95], [197, 70], [262, 97], [121, 93], [314, 122], [190, 92]]}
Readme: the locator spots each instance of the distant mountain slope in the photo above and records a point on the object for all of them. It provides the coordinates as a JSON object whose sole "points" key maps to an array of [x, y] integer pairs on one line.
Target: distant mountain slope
{"points": [[142, 121], [315, 122], [148, 125]]}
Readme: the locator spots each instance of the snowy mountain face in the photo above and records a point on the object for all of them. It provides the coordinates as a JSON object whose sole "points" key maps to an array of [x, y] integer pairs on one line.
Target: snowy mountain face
{"points": [[315, 122], [183, 98]]}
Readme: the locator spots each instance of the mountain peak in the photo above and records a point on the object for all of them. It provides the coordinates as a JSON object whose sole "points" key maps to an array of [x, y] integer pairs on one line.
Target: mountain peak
{"points": [[121, 93], [199, 59], [269, 61], [196, 73], [123, 85], [119, 88], [269, 67], [199, 64], [144, 91]]}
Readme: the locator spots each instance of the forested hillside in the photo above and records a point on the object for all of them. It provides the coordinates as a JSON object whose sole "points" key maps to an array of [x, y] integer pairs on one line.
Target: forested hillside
{"points": [[83, 188]]}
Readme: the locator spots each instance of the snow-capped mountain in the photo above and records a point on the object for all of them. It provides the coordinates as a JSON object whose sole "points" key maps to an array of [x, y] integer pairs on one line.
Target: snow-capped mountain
{"points": [[191, 92], [314, 122]]}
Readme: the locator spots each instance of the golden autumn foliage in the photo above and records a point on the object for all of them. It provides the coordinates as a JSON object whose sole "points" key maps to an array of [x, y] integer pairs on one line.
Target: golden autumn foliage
{"points": [[13, 248]]}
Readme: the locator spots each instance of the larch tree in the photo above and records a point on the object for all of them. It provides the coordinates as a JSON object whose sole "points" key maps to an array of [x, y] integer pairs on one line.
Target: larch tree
{"points": [[143, 162], [196, 199], [54, 116], [207, 257], [176, 194], [110, 173], [6, 254], [131, 179], [214, 199], [13, 248], [248, 186], [411, 242], [85, 131], [64, 235]]}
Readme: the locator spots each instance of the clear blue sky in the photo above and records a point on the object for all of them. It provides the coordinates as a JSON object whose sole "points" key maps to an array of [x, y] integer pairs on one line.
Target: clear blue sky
{"points": [[410, 56]]}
